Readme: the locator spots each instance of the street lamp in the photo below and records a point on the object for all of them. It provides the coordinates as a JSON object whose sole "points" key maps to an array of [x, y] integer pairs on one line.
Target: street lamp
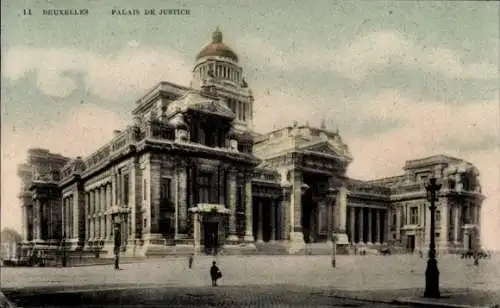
{"points": [[331, 224], [432, 271]]}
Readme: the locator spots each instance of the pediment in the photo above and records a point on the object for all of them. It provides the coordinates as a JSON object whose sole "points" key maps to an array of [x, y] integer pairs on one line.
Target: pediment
{"points": [[329, 147]]}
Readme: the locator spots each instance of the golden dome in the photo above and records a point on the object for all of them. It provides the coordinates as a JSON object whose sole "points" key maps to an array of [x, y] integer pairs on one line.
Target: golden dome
{"points": [[217, 48]]}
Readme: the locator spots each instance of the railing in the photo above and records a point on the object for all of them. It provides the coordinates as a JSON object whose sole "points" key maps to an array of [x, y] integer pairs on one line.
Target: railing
{"points": [[408, 188], [368, 188]]}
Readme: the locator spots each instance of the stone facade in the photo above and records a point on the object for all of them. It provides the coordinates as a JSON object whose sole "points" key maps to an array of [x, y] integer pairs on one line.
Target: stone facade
{"points": [[190, 174]]}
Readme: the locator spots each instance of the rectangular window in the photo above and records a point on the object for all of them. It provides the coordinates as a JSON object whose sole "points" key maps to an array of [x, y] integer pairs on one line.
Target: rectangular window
{"points": [[165, 193], [144, 191], [414, 215], [438, 217], [125, 189], [204, 187]]}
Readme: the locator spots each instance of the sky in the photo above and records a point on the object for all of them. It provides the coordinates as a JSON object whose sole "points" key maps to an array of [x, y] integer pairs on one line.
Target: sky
{"points": [[400, 79]]}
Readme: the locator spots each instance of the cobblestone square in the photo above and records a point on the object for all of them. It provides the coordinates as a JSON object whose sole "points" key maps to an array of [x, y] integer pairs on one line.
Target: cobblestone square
{"points": [[276, 276]]}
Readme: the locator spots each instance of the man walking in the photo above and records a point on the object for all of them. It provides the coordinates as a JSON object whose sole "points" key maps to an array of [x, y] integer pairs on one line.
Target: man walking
{"points": [[191, 258], [118, 243], [215, 274]]}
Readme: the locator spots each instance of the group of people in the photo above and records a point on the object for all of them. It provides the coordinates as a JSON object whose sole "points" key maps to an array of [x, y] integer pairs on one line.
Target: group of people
{"points": [[215, 272]]}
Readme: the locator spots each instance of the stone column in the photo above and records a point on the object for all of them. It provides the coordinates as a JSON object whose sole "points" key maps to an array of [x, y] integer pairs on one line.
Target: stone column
{"points": [[260, 222], [196, 232], [370, 233], [182, 200], [398, 224], [443, 245], [296, 207], [341, 210], [24, 222], [478, 224], [360, 225], [103, 211], [86, 215], [248, 208], [386, 226], [92, 214], [38, 220], [101, 216], [231, 184], [273, 220], [109, 204], [285, 214], [352, 224], [377, 225], [456, 225]]}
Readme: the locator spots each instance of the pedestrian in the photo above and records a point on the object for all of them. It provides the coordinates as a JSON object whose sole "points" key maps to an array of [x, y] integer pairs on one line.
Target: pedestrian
{"points": [[215, 274], [118, 243], [191, 258]]}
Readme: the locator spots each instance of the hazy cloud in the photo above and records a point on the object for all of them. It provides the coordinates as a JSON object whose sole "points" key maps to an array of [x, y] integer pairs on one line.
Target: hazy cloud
{"points": [[110, 77], [368, 53]]}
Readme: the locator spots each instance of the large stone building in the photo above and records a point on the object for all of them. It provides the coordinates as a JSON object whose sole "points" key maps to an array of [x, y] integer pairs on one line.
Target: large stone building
{"points": [[190, 173]]}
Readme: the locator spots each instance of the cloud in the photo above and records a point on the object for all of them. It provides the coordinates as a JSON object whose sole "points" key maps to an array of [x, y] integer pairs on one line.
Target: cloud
{"points": [[78, 132], [369, 53], [113, 78]]}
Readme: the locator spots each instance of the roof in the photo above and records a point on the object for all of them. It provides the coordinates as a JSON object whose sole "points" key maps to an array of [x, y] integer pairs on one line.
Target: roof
{"points": [[217, 48]]}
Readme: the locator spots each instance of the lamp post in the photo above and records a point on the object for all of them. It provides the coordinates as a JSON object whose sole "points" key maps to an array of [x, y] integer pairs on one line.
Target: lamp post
{"points": [[331, 224], [432, 271]]}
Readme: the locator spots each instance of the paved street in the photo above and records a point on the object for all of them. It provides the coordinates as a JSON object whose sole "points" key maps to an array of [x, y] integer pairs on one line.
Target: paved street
{"points": [[248, 280]]}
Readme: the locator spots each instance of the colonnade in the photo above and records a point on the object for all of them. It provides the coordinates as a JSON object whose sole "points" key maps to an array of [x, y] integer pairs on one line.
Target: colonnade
{"points": [[368, 225], [98, 223], [232, 235], [272, 208]]}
